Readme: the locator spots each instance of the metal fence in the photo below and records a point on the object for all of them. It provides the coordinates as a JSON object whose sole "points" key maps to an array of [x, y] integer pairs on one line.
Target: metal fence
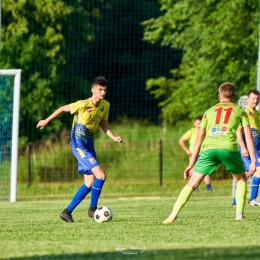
{"points": [[155, 162]]}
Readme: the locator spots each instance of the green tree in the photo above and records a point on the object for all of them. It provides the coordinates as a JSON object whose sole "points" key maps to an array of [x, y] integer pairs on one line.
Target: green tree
{"points": [[127, 61], [39, 37], [219, 42]]}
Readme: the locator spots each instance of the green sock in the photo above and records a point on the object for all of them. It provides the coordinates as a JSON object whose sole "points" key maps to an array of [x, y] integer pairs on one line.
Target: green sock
{"points": [[241, 196], [182, 199]]}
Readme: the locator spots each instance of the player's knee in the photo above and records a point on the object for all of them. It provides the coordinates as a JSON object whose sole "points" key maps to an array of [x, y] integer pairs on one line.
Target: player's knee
{"points": [[101, 175], [88, 180], [99, 172], [240, 177]]}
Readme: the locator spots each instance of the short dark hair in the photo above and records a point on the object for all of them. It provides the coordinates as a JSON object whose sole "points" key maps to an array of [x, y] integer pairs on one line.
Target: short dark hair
{"points": [[254, 91], [100, 80], [198, 118], [227, 90]]}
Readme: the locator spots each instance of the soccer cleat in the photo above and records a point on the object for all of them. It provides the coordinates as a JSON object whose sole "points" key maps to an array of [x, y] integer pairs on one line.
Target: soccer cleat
{"points": [[169, 220], [66, 217], [253, 203], [208, 188], [243, 218], [91, 211]]}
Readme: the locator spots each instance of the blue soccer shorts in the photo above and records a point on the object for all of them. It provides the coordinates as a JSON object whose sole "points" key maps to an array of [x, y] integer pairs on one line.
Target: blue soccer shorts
{"points": [[256, 140], [86, 160], [247, 160]]}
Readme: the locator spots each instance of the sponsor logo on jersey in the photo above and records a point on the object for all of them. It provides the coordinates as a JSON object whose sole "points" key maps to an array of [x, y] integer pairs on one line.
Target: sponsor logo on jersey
{"points": [[102, 109], [219, 130], [254, 132], [89, 109], [95, 120], [92, 160]]}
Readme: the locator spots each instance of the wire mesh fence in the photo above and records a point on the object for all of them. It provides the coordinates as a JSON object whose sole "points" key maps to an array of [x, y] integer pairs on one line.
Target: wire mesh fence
{"points": [[151, 162]]}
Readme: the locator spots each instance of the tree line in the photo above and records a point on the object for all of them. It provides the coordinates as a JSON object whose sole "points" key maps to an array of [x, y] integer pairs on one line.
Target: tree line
{"points": [[219, 42], [163, 59]]}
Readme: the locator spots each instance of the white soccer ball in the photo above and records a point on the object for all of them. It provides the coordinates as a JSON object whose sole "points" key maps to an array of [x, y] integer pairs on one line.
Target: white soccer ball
{"points": [[103, 214]]}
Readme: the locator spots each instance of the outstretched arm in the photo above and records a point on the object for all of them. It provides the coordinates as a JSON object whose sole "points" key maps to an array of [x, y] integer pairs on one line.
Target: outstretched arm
{"points": [[42, 123], [105, 127]]}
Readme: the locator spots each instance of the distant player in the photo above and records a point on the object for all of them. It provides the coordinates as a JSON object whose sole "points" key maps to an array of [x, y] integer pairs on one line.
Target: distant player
{"points": [[254, 121], [191, 136], [216, 142], [88, 115]]}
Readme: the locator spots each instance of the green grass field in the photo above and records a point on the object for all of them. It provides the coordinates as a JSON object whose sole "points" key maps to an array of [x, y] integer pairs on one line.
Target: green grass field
{"points": [[205, 229]]}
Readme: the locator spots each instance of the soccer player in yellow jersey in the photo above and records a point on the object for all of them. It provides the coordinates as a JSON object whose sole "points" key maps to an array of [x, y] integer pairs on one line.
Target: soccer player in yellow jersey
{"points": [[217, 143], [88, 115], [191, 136], [254, 121]]}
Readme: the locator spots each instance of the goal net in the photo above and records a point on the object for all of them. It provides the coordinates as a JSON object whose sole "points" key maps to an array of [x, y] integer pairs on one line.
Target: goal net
{"points": [[9, 128], [242, 101]]}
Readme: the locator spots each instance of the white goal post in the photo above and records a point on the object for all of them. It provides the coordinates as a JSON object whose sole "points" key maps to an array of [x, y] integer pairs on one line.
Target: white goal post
{"points": [[15, 129]]}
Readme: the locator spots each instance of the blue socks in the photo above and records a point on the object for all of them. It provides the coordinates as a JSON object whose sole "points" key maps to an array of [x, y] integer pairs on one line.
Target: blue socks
{"points": [[254, 188], [78, 197], [82, 193], [96, 191], [208, 187]]}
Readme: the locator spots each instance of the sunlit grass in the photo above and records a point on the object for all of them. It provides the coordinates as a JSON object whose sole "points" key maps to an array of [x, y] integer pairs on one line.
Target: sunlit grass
{"points": [[205, 229]]}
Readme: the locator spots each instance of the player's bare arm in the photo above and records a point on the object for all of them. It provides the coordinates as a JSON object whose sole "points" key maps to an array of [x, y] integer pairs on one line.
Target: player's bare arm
{"points": [[251, 150], [199, 140], [240, 140], [42, 123], [105, 127], [182, 143]]}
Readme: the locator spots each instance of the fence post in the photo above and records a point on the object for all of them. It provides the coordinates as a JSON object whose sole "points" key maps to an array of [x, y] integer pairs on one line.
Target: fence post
{"points": [[160, 163], [28, 155]]}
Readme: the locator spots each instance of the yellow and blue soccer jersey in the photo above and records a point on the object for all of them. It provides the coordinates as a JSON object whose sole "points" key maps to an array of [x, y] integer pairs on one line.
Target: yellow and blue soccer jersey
{"points": [[254, 121], [253, 117], [87, 118], [221, 122], [191, 136]]}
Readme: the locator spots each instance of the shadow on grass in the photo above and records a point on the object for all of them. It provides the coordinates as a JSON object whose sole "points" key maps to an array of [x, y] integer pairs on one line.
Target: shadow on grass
{"points": [[212, 253]]}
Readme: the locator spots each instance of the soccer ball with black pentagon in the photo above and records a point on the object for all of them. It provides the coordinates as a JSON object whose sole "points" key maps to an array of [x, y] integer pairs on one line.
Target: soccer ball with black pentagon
{"points": [[103, 214]]}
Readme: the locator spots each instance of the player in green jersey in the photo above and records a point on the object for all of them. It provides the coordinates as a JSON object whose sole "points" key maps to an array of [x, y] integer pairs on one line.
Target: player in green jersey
{"points": [[191, 136], [216, 142]]}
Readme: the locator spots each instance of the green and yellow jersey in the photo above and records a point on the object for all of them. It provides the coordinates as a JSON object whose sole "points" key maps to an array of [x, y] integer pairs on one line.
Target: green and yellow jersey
{"points": [[221, 122]]}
